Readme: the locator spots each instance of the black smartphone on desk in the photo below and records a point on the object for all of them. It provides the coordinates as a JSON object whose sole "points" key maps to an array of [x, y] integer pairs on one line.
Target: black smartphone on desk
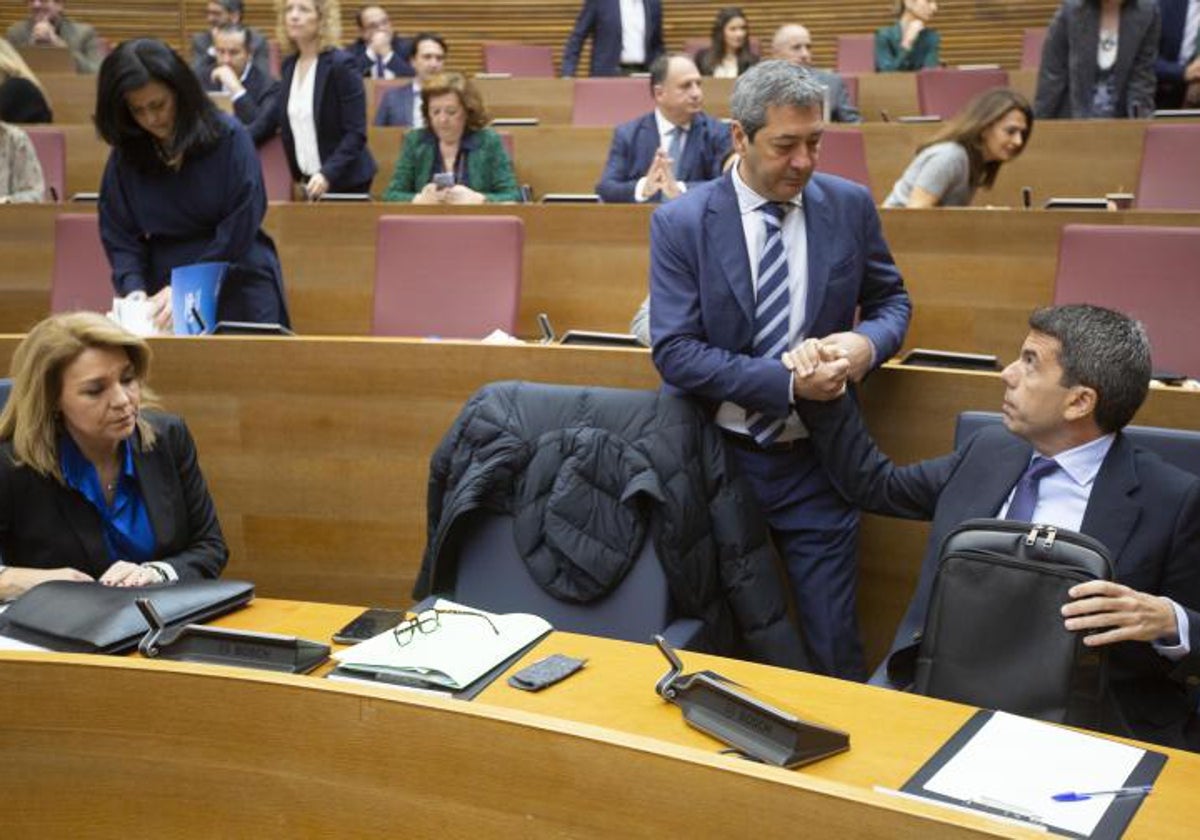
{"points": [[368, 624]]}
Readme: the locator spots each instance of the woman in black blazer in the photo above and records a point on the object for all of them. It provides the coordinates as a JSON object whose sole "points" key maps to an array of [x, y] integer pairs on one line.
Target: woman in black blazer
{"points": [[92, 485], [322, 106]]}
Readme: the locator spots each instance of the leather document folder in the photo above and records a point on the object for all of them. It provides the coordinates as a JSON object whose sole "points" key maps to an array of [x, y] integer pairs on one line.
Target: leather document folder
{"points": [[92, 618]]}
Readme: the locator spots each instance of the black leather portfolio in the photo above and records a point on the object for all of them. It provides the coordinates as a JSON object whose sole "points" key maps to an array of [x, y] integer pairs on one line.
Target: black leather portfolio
{"points": [[93, 618]]}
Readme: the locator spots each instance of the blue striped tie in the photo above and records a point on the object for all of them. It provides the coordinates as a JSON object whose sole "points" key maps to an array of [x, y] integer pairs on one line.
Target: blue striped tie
{"points": [[771, 309]]}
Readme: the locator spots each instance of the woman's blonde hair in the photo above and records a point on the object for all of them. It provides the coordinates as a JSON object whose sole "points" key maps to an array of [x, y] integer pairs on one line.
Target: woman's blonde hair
{"points": [[468, 96], [31, 418], [330, 33], [12, 66]]}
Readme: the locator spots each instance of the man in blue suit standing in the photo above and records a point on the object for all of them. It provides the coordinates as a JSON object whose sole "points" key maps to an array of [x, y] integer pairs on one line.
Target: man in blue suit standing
{"points": [[745, 267], [657, 156], [626, 36]]}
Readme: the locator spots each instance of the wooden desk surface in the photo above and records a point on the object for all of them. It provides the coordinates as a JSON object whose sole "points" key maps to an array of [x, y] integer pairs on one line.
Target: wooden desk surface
{"points": [[248, 753]]}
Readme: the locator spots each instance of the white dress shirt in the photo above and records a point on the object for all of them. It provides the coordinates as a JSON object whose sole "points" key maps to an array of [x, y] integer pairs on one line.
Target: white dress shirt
{"points": [[633, 32], [731, 416], [418, 119], [303, 120], [1191, 28], [1062, 501]]}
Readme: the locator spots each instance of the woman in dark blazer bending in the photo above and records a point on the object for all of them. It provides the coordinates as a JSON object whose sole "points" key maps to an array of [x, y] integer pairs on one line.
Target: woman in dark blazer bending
{"points": [[1098, 60], [93, 485], [322, 104], [182, 185]]}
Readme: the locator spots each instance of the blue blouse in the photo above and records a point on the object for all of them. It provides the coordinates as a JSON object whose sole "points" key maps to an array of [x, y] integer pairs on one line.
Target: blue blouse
{"points": [[128, 533]]}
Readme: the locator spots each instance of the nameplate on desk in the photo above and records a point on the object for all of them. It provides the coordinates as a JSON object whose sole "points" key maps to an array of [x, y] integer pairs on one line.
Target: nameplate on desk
{"points": [[1076, 203], [570, 198], [514, 121], [1175, 113]]}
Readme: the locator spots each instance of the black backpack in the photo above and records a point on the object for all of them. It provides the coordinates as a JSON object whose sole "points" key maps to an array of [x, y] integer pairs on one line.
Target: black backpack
{"points": [[994, 634]]}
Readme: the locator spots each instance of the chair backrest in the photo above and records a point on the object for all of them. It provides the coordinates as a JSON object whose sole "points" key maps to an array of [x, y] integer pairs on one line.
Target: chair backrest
{"points": [[380, 87], [608, 102], [844, 153], [851, 85], [82, 276], [943, 92], [51, 147], [1146, 272], [447, 276], [519, 60], [855, 54], [1180, 447], [492, 576], [1170, 163], [277, 175], [510, 146], [1032, 41]]}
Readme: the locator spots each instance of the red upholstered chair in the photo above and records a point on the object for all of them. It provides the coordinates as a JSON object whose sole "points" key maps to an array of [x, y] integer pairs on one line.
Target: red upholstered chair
{"points": [[844, 153], [378, 89], [608, 102], [1031, 48], [51, 147], [277, 175], [1147, 272], [942, 92], [519, 60], [82, 277], [851, 83], [447, 276], [1170, 163], [855, 54]]}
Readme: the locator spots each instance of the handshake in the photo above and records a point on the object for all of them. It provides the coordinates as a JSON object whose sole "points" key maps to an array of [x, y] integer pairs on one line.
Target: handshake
{"points": [[821, 367]]}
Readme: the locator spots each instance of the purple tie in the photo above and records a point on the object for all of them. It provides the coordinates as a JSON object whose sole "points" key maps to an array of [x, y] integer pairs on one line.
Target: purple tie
{"points": [[1025, 497], [380, 68]]}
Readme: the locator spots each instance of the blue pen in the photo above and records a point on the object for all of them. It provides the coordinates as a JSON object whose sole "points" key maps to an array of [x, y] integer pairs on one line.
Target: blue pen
{"points": [[1071, 796]]}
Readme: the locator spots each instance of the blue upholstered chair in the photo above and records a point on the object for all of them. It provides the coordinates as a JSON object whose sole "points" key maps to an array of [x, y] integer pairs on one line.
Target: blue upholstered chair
{"points": [[492, 576], [1175, 446]]}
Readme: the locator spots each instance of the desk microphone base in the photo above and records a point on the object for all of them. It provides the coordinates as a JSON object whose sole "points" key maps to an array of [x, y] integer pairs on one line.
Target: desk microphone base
{"points": [[222, 646], [751, 726]]}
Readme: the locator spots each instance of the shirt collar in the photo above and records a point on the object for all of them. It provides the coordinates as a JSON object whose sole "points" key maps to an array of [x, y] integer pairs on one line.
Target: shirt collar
{"points": [[665, 125], [748, 200], [1082, 463], [77, 469]]}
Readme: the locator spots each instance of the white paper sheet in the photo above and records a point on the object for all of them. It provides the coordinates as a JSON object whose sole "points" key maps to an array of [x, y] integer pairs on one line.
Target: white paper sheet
{"points": [[459, 651], [1016, 764]]}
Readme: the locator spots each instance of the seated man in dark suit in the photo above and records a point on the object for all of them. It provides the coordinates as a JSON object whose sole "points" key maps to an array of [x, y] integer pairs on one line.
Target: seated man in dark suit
{"points": [[252, 92], [1082, 373], [380, 52], [656, 156], [1178, 63], [220, 13], [47, 26], [402, 105], [793, 43]]}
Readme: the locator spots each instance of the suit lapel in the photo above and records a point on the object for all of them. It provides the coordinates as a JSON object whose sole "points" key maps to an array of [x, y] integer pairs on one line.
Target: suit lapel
{"points": [[324, 60], [818, 233], [645, 145], [155, 485], [1112, 513], [84, 522], [724, 236]]}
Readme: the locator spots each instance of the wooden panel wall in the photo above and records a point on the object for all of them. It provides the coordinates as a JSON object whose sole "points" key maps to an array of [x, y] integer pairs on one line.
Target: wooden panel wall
{"points": [[972, 32]]}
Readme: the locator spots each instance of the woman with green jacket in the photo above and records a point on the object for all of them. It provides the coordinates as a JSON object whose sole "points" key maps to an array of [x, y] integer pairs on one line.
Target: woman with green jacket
{"points": [[455, 159]]}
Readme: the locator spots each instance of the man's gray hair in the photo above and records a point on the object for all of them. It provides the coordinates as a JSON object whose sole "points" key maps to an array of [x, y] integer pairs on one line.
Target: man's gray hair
{"points": [[774, 82]]}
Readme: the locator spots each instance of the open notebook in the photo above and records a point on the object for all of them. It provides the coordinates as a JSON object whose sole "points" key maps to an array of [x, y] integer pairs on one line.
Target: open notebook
{"points": [[457, 652]]}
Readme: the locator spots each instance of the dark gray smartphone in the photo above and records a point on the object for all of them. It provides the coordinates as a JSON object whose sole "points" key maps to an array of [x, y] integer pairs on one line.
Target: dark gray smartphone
{"points": [[443, 180], [367, 624]]}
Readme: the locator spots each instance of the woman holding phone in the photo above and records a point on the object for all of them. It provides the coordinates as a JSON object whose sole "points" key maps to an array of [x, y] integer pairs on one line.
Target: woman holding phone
{"points": [[456, 159]]}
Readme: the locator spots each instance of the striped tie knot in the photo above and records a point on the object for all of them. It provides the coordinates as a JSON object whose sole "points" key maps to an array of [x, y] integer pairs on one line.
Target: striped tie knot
{"points": [[775, 210]]}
